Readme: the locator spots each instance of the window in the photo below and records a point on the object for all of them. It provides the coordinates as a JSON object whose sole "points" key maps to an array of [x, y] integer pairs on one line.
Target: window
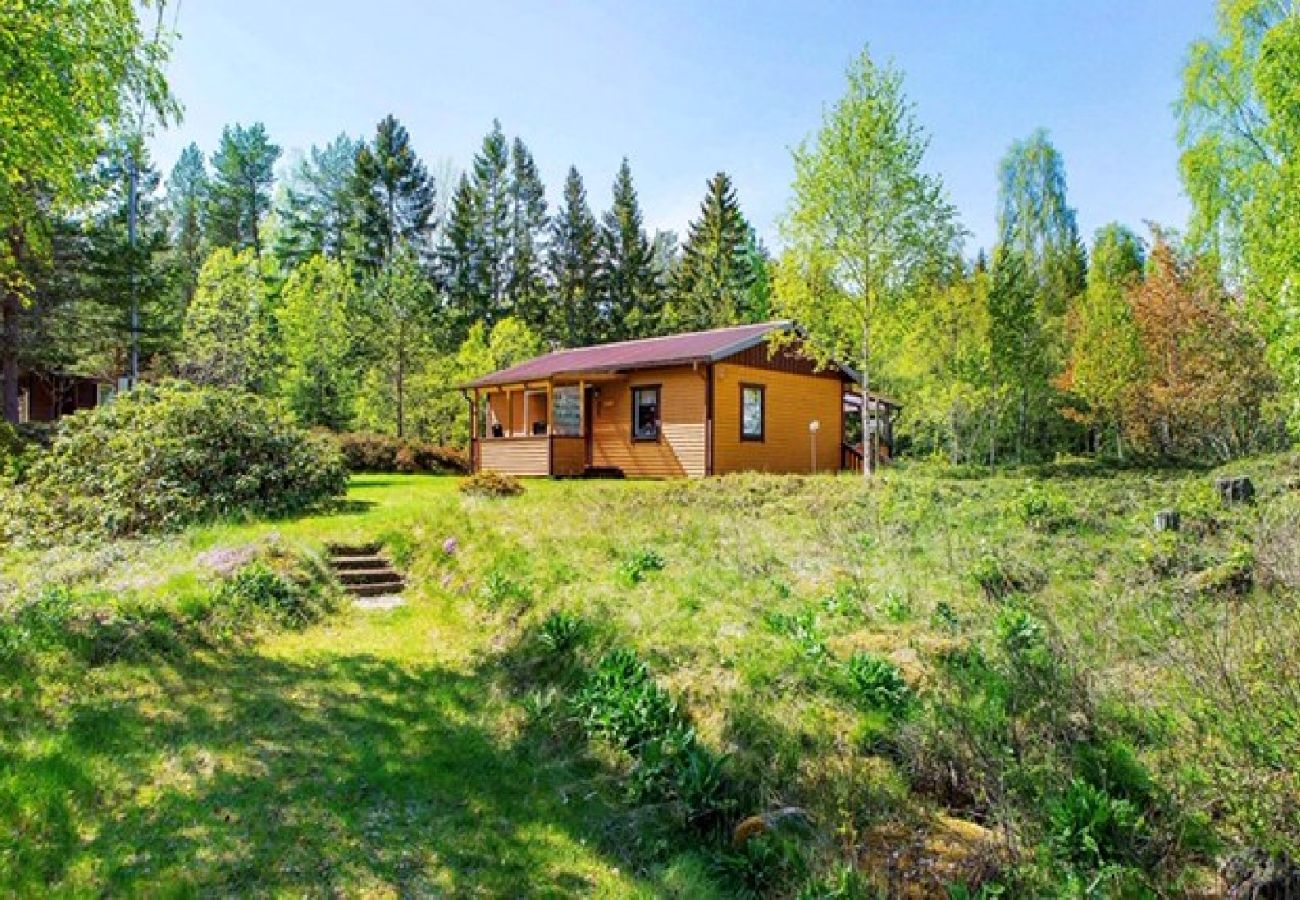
{"points": [[752, 412], [645, 413], [104, 394]]}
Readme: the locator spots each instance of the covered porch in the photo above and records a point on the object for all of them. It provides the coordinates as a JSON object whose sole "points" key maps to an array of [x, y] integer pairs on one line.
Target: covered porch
{"points": [[538, 427]]}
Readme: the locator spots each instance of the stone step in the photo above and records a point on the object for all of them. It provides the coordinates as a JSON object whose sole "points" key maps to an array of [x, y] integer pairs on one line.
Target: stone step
{"points": [[343, 563], [337, 550], [376, 588], [367, 576]]}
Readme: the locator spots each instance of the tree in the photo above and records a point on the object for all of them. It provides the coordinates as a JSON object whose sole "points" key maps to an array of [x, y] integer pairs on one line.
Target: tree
{"points": [[226, 339], [1105, 352], [316, 206], [866, 227], [712, 281], [628, 278], [492, 202], [1017, 341], [315, 330], [392, 197], [1036, 222], [459, 261], [187, 198], [72, 70], [397, 307], [1203, 378], [243, 171], [577, 316], [526, 289]]}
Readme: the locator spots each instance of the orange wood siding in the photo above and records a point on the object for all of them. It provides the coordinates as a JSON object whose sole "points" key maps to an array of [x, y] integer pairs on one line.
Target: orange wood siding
{"points": [[568, 455], [517, 456], [791, 402], [680, 449]]}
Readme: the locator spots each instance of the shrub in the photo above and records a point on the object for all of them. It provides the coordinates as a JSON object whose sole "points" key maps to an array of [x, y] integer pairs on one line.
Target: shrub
{"points": [[633, 570], [491, 484], [999, 578], [15, 453], [365, 452], [161, 457], [1045, 510], [877, 683]]}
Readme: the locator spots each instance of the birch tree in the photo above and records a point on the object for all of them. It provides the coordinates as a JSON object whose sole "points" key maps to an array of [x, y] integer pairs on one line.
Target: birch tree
{"points": [[865, 226]]}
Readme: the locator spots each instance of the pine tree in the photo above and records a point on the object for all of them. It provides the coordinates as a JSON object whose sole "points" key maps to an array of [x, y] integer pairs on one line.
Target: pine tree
{"points": [[526, 290], [628, 280], [714, 277], [187, 197], [459, 263], [316, 206], [491, 183], [392, 198], [240, 194], [576, 317]]}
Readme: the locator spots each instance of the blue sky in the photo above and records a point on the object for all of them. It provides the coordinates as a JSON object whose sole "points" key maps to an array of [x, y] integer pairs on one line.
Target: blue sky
{"points": [[687, 88]]}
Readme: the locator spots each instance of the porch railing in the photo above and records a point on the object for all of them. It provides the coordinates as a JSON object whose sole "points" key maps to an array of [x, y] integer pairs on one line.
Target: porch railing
{"points": [[851, 458]]}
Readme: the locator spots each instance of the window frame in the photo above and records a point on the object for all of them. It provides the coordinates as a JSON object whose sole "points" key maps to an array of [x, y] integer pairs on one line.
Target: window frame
{"points": [[657, 390], [762, 412]]}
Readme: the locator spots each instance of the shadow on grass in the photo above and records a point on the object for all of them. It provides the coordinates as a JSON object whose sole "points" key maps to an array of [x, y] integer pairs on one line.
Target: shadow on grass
{"points": [[236, 772]]}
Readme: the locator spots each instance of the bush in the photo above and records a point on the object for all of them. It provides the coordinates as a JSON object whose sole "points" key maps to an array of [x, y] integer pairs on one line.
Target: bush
{"points": [[366, 452], [162, 457], [491, 484]]}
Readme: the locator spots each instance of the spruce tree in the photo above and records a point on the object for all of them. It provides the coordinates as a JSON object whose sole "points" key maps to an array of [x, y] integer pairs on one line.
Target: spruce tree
{"points": [[628, 280], [316, 206], [576, 317], [712, 282], [526, 290], [243, 171], [491, 183], [187, 197], [392, 197], [459, 259]]}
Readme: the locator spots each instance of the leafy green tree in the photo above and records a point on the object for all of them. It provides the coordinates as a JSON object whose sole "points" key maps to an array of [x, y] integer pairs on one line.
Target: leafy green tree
{"points": [[239, 197], [1106, 353], [628, 277], [73, 69], [1036, 221], [392, 199], [398, 310], [314, 319], [316, 205], [866, 227], [1021, 370], [526, 290], [226, 339], [576, 316], [712, 281], [187, 199]]}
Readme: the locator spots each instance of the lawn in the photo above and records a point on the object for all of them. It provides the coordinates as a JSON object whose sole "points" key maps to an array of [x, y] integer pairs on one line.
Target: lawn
{"points": [[432, 751]]}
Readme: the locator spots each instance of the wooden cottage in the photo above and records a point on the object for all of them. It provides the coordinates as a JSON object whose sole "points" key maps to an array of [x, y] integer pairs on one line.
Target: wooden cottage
{"points": [[704, 403], [46, 396]]}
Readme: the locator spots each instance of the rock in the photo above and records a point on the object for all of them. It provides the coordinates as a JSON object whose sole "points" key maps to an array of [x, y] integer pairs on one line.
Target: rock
{"points": [[1235, 490], [922, 861], [1259, 875], [1167, 520]]}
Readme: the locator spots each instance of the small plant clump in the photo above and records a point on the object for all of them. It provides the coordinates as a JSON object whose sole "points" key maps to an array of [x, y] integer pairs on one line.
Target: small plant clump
{"points": [[638, 564], [489, 483], [877, 683], [562, 632]]}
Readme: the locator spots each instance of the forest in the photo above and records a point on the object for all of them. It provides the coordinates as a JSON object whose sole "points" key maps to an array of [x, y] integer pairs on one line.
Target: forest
{"points": [[358, 287]]}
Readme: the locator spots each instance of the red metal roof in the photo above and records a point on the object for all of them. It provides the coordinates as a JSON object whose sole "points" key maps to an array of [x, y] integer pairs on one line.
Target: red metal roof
{"points": [[697, 346]]}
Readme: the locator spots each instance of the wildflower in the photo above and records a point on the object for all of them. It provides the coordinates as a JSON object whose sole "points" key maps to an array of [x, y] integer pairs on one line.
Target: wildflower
{"points": [[449, 546]]}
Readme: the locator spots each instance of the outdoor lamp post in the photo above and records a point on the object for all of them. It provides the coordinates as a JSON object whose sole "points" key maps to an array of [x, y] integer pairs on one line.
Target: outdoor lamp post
{"points": [[813, 427]]}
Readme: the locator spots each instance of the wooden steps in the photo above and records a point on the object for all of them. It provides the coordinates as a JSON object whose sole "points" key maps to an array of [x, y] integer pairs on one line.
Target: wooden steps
{"points": [[367, 575]]}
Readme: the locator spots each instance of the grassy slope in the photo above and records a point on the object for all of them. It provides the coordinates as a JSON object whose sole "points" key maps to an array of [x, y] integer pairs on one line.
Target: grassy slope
{"points": [[391, 751]]}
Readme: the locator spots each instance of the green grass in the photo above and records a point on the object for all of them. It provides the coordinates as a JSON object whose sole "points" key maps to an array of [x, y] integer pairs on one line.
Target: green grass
{"points": [[1057, 656]]}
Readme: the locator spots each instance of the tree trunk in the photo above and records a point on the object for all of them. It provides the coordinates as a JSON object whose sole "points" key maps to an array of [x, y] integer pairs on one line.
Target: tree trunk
{"points": [[868, 457], [9, 355]]}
